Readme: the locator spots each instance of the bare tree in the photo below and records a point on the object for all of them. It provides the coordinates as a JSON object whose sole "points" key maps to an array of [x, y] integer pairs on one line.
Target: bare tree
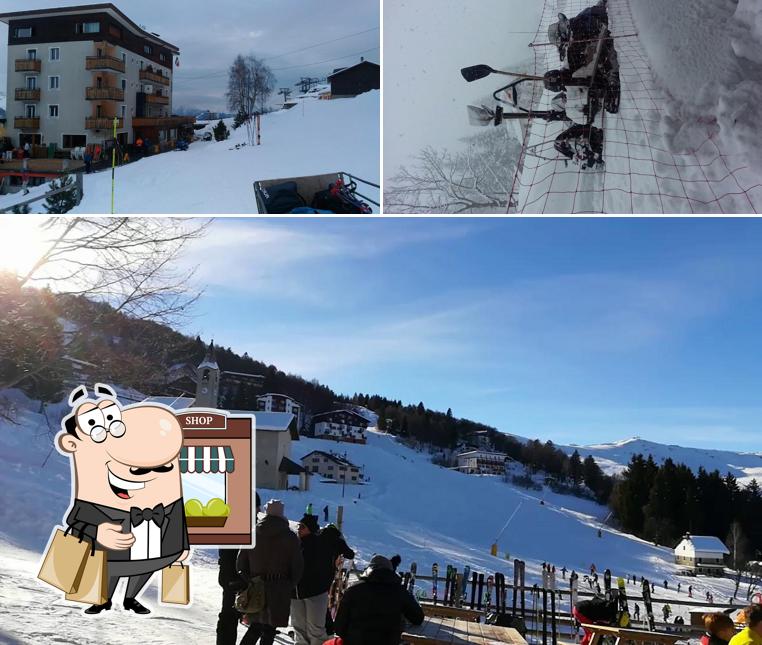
{"points": [[250, 84], [739, 553], [475, 179], [129, 263]]}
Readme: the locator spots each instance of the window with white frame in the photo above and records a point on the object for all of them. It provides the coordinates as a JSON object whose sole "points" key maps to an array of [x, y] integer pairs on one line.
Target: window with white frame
{"points": [[55, 53], [30, 111], [148, 49], [90, 27], [55, 82], [31, 82], [53, 111], [31, 54], [124, 111], [22, 32]]}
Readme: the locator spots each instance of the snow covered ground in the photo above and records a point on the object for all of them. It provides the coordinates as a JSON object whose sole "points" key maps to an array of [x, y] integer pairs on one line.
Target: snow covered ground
{"points": [[614, 457], [409, 506], [315, 137], [686, 138]]}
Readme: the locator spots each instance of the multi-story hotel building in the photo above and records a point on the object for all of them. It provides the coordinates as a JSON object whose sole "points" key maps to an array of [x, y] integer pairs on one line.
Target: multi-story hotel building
{"points": [[281, 403], [72, 70]]}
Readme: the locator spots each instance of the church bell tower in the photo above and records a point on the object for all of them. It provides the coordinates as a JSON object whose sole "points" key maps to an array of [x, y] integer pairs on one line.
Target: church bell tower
{"points": [[208, 383]]}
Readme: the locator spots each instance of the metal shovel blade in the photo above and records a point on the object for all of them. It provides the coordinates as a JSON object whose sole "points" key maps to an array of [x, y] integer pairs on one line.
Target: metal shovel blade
{"points": [[475, 72]]}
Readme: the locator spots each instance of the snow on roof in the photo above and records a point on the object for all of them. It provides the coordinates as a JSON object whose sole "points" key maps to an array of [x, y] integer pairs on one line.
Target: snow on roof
{"points": [[174, 402], [344, 69], [273, 421], [707, 543], [332, 457]]}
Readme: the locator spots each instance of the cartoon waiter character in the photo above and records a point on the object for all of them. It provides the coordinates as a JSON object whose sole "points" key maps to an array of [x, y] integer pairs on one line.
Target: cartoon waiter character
{"points": [[126, 488]]}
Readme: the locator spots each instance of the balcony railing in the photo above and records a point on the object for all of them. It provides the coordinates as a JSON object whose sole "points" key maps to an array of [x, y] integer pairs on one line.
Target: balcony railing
{"points": [[162, 122], [28, 65], [27, 123], [153, 77], [24, 94], [104, 93], [104, 62], [157, 98], [102, 123]]}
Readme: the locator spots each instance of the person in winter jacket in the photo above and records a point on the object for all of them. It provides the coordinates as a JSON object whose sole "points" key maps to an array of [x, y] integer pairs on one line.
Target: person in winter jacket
{"points": [[371, 611], [277, 558], [596, 611], [231, 582], [310, 599], [719, 629], [752, 634]]}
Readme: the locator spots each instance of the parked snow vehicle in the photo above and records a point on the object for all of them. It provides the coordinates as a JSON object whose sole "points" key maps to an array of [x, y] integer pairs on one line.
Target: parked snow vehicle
{"points": [[586, 83], [328, 193]]}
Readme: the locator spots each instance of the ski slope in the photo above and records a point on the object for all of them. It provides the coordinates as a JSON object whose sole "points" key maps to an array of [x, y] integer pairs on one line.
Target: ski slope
{"points": [[315, 137], [685, 139], [425, 513]]}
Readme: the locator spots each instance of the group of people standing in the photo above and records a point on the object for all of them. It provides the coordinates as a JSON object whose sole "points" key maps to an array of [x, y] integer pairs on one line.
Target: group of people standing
{"points": [[297, 570]]}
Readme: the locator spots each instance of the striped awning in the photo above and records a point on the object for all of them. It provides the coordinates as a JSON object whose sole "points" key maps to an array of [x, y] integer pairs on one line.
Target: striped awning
{"points": [[206, 459]]}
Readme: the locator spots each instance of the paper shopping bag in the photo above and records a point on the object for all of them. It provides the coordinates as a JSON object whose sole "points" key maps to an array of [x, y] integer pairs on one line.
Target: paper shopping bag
{"points": [[93, 587], [175, 584], [65, 561]]}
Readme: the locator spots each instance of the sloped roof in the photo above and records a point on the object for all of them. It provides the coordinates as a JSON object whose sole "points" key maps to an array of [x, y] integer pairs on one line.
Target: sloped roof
{"points": [[707, 543], [352, 412], [290, 467], [174, 402], [346, 69], [335, 458]]}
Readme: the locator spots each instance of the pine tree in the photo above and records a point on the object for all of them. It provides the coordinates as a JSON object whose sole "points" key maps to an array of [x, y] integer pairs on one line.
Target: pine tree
{"points": [[62, 202], [221, 132], [240, 119], [21, 209]]}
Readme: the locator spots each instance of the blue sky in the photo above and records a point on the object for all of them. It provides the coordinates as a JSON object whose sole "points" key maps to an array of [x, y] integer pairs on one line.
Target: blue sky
{"points": [[576, 331]]}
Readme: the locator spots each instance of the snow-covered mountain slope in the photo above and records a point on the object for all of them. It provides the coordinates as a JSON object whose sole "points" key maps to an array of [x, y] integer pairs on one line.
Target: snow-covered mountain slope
{"points": [[425, 513], [685, 138], [314, 137], [614, 457]]}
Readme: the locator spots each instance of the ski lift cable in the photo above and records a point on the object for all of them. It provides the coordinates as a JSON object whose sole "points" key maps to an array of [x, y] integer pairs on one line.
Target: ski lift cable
{"points": [[505, 526]]}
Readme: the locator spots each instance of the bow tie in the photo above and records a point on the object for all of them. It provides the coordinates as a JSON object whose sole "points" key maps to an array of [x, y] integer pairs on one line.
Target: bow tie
{"points": [[140, 515]]}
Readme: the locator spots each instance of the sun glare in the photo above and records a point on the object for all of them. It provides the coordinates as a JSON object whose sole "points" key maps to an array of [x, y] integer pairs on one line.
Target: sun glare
{"points": [[22, 242]]}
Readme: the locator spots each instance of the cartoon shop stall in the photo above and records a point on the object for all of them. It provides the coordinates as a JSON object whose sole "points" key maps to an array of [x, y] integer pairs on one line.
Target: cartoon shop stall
{"points": [[217, 468]]}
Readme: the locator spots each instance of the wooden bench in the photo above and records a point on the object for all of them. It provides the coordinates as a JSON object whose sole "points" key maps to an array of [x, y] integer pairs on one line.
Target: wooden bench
{"points": [[631, 635], [436, 630], [446, 611]]}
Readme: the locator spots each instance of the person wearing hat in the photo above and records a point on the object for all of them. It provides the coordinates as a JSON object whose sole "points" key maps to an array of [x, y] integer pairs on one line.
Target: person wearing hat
{"points": [[310, 600], [371, 611], [752, 634], [277, 559]]}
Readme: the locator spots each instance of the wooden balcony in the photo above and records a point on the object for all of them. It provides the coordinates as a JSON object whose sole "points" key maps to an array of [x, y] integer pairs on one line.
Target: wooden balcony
{"points": [[104, 62], [28, 65], [157, 99], [27, 123], [24, 94], [104, 94], [153, 77], [102, 123]]}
